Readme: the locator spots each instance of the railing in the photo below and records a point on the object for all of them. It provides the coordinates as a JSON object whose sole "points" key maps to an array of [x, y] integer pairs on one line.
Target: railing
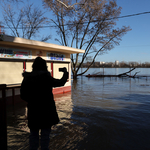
{"points": [[13, 87], [3, 118]]}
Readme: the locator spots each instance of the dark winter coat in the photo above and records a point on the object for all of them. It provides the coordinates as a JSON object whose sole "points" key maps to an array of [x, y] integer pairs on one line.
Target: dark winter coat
{"points": [[36, 90]]}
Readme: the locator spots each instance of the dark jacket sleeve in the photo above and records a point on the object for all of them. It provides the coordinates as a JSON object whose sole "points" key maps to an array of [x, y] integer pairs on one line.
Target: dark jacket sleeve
{"points": [[25, 90], [59, 82]]}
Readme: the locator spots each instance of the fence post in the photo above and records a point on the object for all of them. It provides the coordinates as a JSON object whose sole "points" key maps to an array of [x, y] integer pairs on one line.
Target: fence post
{"points": [[13, 97], [3, 120]]}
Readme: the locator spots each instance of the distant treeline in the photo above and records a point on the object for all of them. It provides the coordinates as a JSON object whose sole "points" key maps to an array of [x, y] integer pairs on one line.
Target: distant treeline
{"points": [[119, 65]]}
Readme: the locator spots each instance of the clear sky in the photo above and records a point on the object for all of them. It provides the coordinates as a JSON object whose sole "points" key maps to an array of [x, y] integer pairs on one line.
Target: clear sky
{"points": [[135, 45]]}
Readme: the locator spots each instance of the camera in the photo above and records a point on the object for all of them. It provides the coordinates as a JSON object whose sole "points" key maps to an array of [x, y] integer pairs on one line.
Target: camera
{"points": [[62, 69]]}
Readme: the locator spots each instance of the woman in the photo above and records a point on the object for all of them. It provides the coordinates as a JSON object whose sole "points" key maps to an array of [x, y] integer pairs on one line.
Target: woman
{"points": [[36, 90]]}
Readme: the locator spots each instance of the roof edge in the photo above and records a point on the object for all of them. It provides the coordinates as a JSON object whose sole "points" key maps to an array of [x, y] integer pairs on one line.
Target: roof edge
{"points": [[22, 41]]}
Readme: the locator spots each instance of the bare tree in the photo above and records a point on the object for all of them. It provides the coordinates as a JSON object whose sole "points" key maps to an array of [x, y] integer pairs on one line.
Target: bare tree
{"points": [[69, 6], [86, 24], [13, 1], [25, 22]]}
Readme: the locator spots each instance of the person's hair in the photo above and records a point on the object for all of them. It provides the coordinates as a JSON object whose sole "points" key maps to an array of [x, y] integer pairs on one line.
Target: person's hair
{"points": [[39, 64]]}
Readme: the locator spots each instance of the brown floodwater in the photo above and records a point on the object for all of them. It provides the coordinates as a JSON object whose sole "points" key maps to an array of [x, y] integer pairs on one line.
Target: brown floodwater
{"points": [[106, 114]]}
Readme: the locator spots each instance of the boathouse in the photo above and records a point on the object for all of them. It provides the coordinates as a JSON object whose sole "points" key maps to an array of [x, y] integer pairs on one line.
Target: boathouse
{"points": [[17, 55]]}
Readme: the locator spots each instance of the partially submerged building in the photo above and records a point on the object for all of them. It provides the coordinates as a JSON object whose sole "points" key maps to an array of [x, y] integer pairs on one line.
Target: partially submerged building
{"points": [[17, 55]]}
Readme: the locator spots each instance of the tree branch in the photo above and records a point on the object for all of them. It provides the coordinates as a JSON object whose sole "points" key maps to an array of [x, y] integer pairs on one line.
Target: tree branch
{"points": [[69, 6], [98, 52]]}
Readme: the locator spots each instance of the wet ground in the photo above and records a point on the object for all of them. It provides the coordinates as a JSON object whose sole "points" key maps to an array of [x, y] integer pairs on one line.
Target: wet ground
{"points": [[106, 114]]}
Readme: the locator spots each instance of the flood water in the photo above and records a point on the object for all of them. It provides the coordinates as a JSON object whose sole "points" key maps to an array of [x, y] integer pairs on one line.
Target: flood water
{"points": [[104, 114], [109, 113]]}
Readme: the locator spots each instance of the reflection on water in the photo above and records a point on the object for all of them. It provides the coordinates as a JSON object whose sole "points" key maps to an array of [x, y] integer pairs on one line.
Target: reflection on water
{"points": [[103, 113], [70, 131], [107, 114]]}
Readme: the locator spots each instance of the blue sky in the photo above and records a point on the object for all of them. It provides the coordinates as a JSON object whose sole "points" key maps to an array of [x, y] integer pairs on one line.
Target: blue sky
{"points": [[135, 45]]}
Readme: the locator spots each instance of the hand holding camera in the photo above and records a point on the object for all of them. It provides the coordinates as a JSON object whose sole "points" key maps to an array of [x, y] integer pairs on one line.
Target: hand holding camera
{"points": [[63, 69]]}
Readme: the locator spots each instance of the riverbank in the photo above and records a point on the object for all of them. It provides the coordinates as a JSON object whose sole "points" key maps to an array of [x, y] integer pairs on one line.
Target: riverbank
{"points": [[117, 67]]}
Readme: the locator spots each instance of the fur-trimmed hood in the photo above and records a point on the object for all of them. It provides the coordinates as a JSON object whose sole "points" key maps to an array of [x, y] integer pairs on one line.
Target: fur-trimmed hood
{"points": [[35, 73]]}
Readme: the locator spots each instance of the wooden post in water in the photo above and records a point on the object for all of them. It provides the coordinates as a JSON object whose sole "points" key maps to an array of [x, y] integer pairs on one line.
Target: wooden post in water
{"points": [[3, 122]]}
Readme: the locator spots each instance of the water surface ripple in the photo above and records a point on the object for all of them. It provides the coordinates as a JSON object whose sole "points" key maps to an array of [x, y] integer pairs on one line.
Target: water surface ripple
{"points": [[107, 114]]}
